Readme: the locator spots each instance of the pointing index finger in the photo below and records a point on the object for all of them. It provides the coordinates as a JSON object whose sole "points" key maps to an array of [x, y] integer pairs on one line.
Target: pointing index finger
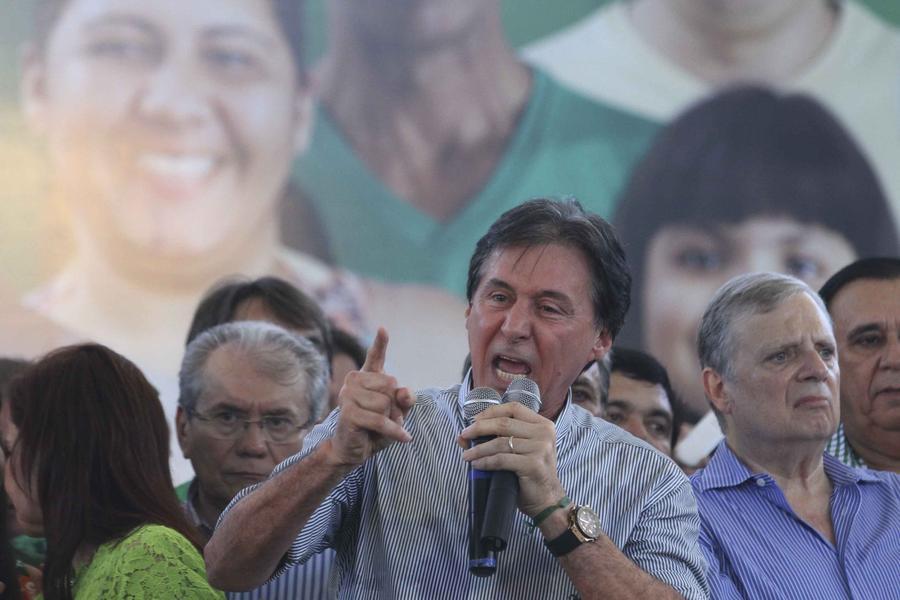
{"points": [[375, 356]]}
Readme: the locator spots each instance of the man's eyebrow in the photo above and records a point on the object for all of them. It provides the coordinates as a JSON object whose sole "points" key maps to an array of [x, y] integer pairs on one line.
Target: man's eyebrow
{"points": [[619, 403], [555, 295], [779, 347], [278, 412], [497, 283], [864, 328], [658, 412], [226, 404]]}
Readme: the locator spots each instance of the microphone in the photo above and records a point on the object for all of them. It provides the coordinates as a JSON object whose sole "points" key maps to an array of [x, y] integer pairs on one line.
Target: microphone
{"points": [[504, 488], [482, 560]]}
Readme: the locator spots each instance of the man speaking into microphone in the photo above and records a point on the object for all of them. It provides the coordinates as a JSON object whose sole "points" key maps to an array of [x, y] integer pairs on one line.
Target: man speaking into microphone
{"points": [[383, 480]]}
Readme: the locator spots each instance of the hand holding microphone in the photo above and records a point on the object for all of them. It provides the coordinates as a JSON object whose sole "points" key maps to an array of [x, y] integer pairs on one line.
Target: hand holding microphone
{"points": [[504, 493], [525, 444]]}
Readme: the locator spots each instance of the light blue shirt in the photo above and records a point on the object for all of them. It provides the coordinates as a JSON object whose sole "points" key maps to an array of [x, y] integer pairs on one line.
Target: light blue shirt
{"points": [[757, 546]]}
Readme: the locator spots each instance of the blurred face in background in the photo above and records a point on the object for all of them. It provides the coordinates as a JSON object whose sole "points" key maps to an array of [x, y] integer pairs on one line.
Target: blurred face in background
{"points": [[641, 408], [685, 265], [170, 125], [866, 317]]}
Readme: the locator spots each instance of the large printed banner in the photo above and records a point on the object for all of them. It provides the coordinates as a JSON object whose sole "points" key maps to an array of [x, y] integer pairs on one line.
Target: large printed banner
{"points": [[359, 149]]}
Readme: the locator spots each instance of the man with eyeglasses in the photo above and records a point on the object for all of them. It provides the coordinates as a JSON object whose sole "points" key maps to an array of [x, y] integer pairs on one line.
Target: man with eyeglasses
{"points": [[249, 392]]}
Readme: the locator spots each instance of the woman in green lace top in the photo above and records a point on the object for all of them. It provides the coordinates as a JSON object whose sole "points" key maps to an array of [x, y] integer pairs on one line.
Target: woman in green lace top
{"points": [[87, 450]]}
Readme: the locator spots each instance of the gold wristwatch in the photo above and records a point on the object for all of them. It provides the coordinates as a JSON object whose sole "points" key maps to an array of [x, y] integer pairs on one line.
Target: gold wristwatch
{"points": [[584, 527]]}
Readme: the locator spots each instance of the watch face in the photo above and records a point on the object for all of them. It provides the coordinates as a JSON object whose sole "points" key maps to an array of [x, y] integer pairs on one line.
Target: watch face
{"points": [[588, 522]]}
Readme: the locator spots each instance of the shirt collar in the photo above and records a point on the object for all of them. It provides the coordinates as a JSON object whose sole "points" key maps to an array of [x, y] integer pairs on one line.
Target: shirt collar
{"points": [[725, 469], [840, 474]]}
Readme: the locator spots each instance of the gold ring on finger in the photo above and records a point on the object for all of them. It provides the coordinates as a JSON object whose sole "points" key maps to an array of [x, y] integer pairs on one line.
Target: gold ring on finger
{"points": [[512, 448]]}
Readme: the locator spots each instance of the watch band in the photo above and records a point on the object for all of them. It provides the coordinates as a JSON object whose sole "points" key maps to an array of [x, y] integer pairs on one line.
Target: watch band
{"points": [[563, 544]]}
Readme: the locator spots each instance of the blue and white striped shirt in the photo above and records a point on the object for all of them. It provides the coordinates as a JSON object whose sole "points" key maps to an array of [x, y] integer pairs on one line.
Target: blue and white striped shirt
{"points": [[398, 522], [308, 581], [757, 547]]}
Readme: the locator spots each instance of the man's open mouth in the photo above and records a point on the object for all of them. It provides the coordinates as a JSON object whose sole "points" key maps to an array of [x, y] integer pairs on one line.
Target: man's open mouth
{"points": [[508, 367]]}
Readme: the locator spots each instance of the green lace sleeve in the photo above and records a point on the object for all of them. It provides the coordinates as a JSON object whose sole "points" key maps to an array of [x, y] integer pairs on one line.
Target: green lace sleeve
{"points": [[151, 562]]}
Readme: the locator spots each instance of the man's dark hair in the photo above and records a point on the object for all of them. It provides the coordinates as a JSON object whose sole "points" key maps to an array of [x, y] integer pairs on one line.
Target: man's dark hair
{"points": [[564, 222], [751, 153], [292, 308], [347, 343], [642, 366], [881, 268]]}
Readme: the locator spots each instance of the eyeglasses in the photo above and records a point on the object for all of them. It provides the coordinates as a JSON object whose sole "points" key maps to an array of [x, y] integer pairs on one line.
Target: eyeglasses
{"points": [[226, 425]]}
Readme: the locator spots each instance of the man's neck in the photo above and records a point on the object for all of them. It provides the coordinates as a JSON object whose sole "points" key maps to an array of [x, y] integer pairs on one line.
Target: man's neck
{"points": [[797, 466], [432, 123], [727, 42], [799, 471]]}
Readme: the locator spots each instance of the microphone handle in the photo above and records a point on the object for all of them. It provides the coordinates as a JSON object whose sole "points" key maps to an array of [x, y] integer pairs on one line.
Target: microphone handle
{"points": [[482, 560], [500, 510]]}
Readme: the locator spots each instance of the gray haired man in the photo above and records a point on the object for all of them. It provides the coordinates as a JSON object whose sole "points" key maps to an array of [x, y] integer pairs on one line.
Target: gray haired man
{"points": [[249, 392], [780, 518]]}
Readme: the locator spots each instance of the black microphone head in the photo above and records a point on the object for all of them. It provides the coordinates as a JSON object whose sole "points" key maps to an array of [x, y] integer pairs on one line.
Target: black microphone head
{"points": [[525, 392], [479, 399]]}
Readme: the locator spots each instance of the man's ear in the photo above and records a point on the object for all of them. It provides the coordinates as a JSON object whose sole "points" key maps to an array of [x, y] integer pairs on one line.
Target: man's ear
{"points": [[33, 89], [714, 387], [181, 431], [602, 344]]}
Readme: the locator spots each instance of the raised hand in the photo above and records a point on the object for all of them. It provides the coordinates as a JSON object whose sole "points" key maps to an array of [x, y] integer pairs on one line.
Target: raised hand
{"points": [[373, 407]]}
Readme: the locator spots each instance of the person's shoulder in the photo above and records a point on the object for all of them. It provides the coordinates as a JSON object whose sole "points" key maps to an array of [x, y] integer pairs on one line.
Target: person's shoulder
{"points": [[434, 404], [888, 478], [161, 542], [864, 24], [572, 40], [864, 48], [613, 443], [152, 561], [572, 112], [443, 395]]}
